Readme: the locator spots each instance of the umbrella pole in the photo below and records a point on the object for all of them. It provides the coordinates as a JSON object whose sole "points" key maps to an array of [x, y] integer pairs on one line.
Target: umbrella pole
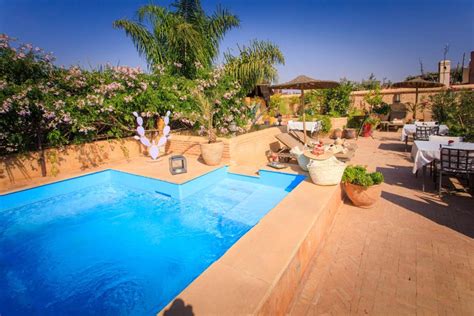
{"points": [[304, 116], [416, 104]]}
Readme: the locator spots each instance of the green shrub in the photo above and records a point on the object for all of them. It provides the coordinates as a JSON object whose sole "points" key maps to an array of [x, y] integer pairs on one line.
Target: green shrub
{"points": [[456, 110], [334, 102], [355, 118], [279, 105], [358, 175], [382, 109], [325, 121], [42, 105], [377, 177], [373, 98]]}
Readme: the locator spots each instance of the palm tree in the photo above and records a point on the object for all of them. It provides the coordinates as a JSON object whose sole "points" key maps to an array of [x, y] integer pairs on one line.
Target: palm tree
{"points": [[254, 64], [186, 36]]}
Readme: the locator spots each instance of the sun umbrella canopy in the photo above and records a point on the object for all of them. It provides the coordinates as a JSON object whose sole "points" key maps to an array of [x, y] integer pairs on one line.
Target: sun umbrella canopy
{"points": [[417, 83], [305, 83]]}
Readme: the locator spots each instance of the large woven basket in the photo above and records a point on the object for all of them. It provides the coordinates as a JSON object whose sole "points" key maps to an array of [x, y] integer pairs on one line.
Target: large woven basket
{"points": [[326, 172], [302, 159]]}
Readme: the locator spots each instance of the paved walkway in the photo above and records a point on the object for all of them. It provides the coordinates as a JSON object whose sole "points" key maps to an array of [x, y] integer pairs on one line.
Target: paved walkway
{"points": [[411, 254]]}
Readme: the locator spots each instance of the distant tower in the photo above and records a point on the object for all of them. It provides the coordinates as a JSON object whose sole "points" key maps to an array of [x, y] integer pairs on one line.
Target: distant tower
{"points": [[444, 69], [471, 68]]}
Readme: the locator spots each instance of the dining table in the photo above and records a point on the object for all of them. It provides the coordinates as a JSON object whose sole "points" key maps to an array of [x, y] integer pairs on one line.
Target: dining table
{"points": [[410, 129], [424, 152], [310, 126]]}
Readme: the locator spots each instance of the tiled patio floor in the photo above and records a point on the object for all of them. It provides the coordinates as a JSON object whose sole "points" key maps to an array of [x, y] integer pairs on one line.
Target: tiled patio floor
{"points": [[411, 254]]}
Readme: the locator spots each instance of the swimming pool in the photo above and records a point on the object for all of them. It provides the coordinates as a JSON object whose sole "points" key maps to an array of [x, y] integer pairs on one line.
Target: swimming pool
{"points": [[117, 243]]}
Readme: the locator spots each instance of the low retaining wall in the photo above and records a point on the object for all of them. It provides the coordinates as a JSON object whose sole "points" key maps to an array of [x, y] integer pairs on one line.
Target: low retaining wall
{"points": [[23, 167], [407, 95], [247, 149], [338, 122]]}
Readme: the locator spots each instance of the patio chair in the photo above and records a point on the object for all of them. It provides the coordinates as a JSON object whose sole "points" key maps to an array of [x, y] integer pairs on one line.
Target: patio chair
{"points": [[456, 162], [295, 140], [344, 157], [423, 133], [289, 142], [395, 119], [299, 135]]}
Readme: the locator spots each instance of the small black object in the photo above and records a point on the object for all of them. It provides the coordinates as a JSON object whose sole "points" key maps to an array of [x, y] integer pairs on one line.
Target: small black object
{"points": [[178, 164], [279, 118]]}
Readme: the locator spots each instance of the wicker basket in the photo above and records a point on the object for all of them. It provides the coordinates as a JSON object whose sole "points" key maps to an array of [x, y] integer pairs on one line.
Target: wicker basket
{"points": [[302, 159], [326, 172]]}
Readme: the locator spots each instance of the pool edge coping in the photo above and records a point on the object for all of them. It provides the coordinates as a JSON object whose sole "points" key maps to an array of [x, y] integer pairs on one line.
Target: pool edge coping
{"points": [[273, 295]]}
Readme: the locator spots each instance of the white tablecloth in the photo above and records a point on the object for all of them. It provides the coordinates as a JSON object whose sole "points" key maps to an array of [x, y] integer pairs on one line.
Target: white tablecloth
{"points": [[424, 152], [310, 126], [410, 129]]}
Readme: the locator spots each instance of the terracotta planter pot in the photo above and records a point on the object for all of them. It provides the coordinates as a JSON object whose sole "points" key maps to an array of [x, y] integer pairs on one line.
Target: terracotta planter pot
{"points": [[212, 153], [350, 133], [367, 130], [337, 133], [361, 196]]}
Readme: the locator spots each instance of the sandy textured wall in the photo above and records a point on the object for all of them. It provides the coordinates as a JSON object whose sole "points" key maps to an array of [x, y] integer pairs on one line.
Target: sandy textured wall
{"points": [[250, 149], [190, 145], [247, 149], [406, 96], [71, 158]]}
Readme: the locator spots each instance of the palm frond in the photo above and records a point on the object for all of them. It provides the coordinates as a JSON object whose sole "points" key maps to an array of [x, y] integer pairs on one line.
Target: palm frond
{"points": [[141, 38], [255, 63]]}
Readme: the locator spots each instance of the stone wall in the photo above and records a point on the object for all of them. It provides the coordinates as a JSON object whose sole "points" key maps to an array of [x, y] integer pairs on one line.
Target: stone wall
{"points": [[388, 95], [406, 96], [22, 167], [248, 149]]}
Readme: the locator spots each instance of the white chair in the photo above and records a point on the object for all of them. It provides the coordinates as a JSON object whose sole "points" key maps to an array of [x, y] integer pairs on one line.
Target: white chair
{"points": [[438, 138]]}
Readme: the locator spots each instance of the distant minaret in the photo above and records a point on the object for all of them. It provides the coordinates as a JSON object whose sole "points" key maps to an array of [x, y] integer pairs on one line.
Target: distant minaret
{"points": [[471, 68], [444, 69]]}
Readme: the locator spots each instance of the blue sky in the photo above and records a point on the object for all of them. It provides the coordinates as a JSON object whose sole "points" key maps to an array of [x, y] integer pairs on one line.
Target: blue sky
{"points": [[326, 39]]}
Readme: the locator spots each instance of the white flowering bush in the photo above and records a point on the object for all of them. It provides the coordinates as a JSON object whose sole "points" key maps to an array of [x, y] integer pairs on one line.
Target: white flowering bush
{"points": [[230, 114], [42, 105]]}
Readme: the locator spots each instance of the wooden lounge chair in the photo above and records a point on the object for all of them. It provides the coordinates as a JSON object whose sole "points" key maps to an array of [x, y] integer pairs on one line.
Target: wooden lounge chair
{"points": [[288, 142], [311, 141], [299, 135]]}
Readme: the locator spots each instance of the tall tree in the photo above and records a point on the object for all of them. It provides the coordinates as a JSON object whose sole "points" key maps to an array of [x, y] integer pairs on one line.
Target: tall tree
{"points": [[254, 63], [185, 36]]}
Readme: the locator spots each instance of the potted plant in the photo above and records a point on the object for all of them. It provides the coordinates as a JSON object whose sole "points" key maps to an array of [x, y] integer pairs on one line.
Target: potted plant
{"points": [[211, 151], [362, 188], [369, 125], [382, 111]]}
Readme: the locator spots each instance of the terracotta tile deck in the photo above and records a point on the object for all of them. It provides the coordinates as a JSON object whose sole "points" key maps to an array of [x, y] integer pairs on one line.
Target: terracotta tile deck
{"points": [[411, 254]]}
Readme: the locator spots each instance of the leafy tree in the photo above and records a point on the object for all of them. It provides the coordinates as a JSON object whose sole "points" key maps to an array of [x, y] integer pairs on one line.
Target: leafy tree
{"points": [[254, 64], [185, 37], [456, 110], [188, 39], [373, 98], [334, 102]]}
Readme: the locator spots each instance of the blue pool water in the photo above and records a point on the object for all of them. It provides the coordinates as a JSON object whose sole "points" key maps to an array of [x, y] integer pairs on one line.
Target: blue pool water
{"points": [[112, 243]]}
